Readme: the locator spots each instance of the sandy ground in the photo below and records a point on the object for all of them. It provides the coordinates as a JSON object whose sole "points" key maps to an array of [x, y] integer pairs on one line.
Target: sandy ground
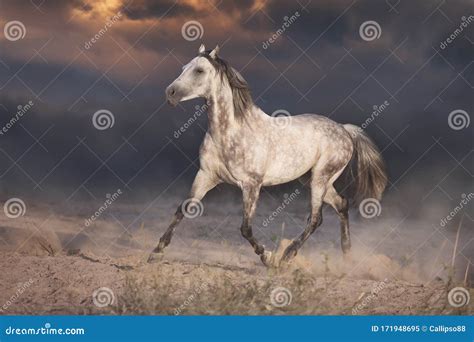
{"points": [[51, 263]]}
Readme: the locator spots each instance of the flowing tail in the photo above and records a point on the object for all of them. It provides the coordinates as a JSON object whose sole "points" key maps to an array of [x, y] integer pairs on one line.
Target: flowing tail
{"points": [[368, 176]]}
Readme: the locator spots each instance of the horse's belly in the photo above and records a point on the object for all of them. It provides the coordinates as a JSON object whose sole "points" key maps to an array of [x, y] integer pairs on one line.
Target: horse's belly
{"points": [[285, 171]]}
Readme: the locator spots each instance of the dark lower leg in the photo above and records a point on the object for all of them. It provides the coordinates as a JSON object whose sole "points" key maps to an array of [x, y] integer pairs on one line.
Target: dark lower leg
{"points": [[291, 251], [250, 197], [345, 236], [202, 183], [247, 233], [166, 238], [341, 205]]}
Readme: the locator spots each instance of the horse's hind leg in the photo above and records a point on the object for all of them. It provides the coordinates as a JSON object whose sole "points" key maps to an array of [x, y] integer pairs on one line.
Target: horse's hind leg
{"points": [[318, 190], [202, 183], [250, 194], [341, 205]]}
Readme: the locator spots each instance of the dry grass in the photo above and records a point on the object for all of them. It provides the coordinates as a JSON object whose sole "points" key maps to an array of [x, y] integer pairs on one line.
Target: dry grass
{"points": [[211, 290]]}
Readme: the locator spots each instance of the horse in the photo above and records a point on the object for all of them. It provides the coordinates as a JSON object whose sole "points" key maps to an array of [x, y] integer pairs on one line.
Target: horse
{"points": [[247, 148]]}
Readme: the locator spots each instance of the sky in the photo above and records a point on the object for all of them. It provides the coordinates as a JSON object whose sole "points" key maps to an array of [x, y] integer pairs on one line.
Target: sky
{"points": [[73, 59]]}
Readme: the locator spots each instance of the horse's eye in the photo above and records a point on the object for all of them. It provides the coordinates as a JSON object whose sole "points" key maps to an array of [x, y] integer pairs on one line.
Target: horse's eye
{"points": [[199, 71]]}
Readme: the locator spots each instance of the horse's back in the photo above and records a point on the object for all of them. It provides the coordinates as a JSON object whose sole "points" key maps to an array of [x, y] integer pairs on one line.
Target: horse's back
{"points": [[324, 130]]}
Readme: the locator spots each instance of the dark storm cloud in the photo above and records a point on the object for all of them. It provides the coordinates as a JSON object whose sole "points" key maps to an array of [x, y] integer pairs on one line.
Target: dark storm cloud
{"points": [[150, 9], [40, 8], [144, 9], [239, 8]]}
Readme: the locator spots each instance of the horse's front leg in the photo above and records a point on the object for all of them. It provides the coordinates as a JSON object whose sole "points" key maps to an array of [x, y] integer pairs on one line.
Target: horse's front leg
{"points": [[250, 195], [203, 182]]}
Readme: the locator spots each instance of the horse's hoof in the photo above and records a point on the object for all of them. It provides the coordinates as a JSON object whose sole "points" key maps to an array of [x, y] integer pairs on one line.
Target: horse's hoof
{"points": [[267, 258], [289, 253], [155, 257]]}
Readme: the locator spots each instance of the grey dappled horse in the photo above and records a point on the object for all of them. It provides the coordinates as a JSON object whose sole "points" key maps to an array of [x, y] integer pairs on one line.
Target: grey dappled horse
{"points": [[245, 147]]}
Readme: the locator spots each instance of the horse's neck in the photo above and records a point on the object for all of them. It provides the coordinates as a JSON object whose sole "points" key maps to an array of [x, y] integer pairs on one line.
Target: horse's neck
{"points": [[222, 118], [220, 114]]}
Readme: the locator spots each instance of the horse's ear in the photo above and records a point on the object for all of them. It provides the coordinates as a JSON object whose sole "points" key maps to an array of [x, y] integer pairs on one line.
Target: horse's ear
{"points": [[202, 48], [213, 53]]}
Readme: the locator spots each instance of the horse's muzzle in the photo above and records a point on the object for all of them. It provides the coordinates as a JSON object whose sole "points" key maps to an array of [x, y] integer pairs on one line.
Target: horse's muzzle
{"points": [[172, 95]]}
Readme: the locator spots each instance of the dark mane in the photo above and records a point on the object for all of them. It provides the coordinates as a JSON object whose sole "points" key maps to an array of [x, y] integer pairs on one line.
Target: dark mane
{"points": [[240, 89]]}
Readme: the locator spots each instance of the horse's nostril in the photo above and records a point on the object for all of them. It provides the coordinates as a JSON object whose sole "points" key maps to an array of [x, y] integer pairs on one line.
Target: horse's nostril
{"points": [[171, 91], [171, 95]]}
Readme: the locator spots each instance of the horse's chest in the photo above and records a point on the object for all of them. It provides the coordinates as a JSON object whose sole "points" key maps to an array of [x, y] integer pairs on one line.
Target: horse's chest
{"points": [[235, 159], [239, 163]]}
